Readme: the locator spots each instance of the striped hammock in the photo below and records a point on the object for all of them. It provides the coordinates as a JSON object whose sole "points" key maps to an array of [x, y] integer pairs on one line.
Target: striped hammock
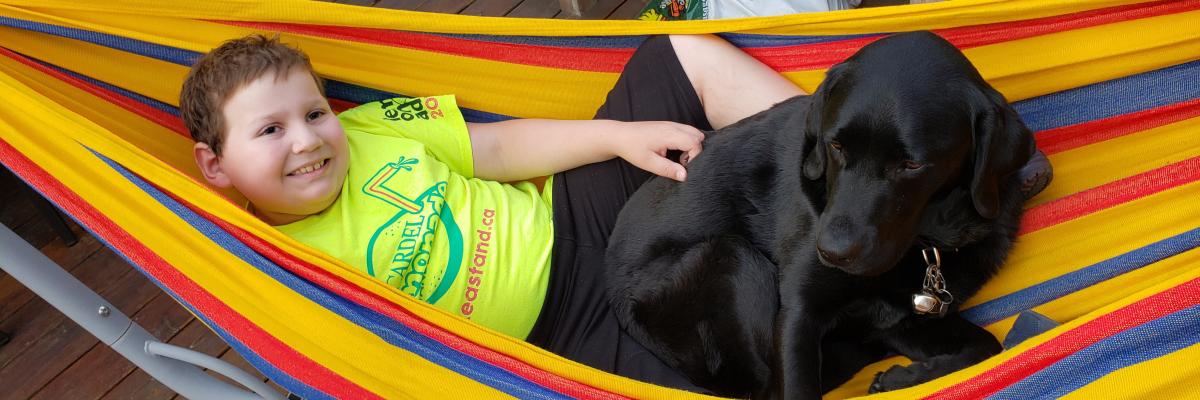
{"points": [[1112, 88]]}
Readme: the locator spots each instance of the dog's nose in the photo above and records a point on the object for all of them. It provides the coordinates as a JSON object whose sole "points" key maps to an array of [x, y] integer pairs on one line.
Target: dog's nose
{"points": [[841, 256]]}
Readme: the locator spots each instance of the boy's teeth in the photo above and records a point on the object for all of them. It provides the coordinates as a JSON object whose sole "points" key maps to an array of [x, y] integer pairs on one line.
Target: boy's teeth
{"points": [[309, 168]]}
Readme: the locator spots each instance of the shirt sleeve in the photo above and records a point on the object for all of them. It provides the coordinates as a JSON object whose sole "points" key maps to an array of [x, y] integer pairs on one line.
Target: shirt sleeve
{"points": [[435, 122]]}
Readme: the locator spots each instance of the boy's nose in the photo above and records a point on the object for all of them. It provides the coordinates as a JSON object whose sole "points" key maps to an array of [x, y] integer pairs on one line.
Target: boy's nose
{"points": [[305, 140]]}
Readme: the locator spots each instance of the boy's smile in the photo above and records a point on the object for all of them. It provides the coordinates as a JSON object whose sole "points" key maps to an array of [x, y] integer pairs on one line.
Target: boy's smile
{"points": [[284, 149]]}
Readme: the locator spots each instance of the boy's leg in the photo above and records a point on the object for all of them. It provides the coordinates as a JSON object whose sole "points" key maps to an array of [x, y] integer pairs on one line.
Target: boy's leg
{"points": [[576, 320], [731, 84]]}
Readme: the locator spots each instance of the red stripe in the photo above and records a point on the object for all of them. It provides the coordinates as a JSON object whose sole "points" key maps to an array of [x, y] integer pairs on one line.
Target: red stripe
{"points": [[155, 115], [824, 55], [339, 105], [1069, 342], [263, 344], [1069, 137], [782, 58], [1114, 193], [571, 58], [372, 301], [1110, 194]]}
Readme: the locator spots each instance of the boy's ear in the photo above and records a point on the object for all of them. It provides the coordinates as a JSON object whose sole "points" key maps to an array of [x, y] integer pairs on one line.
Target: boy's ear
{"points": [[210, 166]]}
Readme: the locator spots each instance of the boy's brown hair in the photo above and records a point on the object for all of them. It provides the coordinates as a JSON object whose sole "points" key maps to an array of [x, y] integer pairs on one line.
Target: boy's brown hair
{"points": [[217, 75]]}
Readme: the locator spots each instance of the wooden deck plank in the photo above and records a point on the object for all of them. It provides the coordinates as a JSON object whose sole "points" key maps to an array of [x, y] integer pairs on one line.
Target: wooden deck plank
{"points": [[16, 206], [630, 10], [140, 385], [36, 318], [47, 356], [601, 9], [102, 368], [535, 9], [491, 8], [446, 6], [401, 4], [365, 3], [233, 358], [14, 295]]}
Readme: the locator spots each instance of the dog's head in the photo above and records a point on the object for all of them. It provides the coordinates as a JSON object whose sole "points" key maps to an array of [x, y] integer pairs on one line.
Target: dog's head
{"points": [[903, 121]]}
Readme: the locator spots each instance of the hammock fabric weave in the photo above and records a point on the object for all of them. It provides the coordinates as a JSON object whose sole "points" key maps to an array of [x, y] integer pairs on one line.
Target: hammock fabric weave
{"points": [[1111, 88]]}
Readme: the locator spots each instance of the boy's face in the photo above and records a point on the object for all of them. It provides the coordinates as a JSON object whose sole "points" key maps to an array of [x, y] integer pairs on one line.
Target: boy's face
{"points": [[284, 149]]}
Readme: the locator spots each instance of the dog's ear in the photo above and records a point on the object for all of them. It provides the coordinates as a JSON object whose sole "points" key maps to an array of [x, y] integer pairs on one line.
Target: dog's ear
{"points": [[814, 150], [1003, 144]]}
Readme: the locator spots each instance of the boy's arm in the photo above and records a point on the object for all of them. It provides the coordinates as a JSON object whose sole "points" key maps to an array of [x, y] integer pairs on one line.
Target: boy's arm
{"points": [[521, 149]]}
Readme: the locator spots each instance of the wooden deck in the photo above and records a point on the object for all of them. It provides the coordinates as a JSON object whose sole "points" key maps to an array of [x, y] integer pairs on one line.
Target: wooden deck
{"points": [[50, 357]]}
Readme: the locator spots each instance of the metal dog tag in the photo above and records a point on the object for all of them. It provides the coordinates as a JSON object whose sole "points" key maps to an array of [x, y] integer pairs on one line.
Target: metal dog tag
{"points": [[925, 303], [934, 298]]}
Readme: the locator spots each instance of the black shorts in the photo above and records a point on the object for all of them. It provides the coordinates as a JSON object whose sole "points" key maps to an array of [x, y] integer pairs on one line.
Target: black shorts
{"points": [[576, 320]]}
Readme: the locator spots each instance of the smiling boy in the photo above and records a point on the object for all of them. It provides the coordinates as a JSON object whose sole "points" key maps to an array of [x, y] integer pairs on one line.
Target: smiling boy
{"points": [[411, 193]]}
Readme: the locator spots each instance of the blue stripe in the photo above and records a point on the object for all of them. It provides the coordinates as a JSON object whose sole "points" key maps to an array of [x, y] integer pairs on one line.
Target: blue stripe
{"points": [[590, 42], [1101, 100], [1111, 98], [1033, 296], [158, 105], [390, 330], [158, 51], [361, 95], [336, 89], [746, 40], [632, 42], [1145, 342]]}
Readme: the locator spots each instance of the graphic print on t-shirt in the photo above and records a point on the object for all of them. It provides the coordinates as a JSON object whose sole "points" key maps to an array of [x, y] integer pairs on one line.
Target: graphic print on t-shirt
{"points": [[416, 223]]}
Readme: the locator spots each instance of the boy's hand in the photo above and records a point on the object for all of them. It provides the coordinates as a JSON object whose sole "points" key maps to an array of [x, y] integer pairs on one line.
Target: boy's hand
{"points": [[645, 144]]}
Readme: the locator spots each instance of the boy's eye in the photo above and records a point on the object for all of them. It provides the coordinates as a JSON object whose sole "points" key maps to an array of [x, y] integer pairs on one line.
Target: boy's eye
{"points": [[316, 114], [270, 130]]}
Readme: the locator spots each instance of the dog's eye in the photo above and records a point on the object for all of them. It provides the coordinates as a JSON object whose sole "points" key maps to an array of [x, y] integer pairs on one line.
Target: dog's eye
{"points": [[911, 165], [835, 145]]}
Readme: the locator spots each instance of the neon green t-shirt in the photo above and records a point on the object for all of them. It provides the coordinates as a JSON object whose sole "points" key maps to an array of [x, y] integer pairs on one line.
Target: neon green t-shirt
{"points": [[411, 214]]}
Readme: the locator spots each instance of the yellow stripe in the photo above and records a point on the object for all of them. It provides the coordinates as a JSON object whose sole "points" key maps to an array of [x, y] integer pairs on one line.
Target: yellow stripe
{"points": [[525, 91], [1065, 59], [1096, 164], [172, 148], [1051, 252], [1044, 64], [1172, 376], [1081, 302], [869, 20], [1055, 250], [149, 77]]}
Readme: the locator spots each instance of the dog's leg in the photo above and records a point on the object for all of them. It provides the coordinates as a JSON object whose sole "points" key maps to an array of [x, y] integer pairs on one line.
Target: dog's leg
{"points": [[797, 364], [705, 310], [937, 346], [844, 357]]}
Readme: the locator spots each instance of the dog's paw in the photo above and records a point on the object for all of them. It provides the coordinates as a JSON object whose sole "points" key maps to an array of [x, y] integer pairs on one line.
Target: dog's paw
{"points": [[896, 377]]}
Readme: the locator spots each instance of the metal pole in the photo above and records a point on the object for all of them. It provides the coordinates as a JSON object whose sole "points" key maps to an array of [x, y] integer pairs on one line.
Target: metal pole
{"points": [[88, 309]]}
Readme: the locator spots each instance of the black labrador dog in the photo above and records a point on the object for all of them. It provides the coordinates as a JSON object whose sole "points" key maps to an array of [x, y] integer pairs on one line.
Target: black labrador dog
{"points": [[829, 231]]}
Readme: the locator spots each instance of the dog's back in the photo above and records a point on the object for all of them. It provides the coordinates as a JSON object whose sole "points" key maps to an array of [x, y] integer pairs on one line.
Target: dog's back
{"points": [[692, 255]]}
